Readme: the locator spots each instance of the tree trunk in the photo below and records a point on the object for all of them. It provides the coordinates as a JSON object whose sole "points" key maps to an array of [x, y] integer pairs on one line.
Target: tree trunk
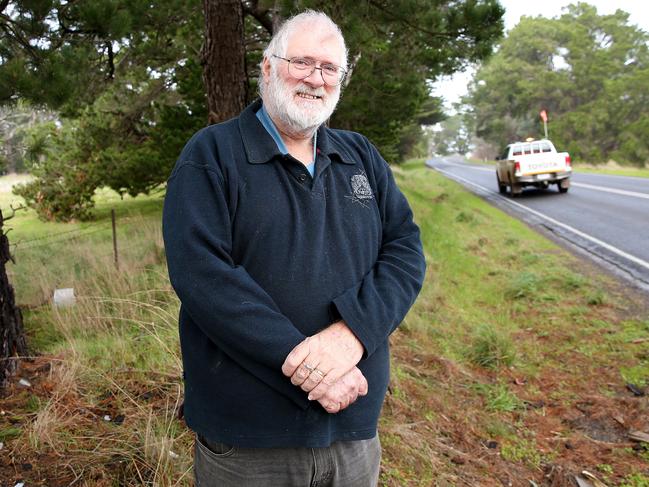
{"points": [[223, 57], [12, 336]]}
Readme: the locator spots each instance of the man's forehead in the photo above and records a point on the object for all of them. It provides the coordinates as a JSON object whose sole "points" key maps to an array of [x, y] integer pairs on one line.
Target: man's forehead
{"points": [[315, 40]]}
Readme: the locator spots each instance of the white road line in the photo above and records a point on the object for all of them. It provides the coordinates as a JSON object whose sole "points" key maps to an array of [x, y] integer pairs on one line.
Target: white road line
{"points": [[590, 238], [487, 169], [580, 185], [612, 190]]}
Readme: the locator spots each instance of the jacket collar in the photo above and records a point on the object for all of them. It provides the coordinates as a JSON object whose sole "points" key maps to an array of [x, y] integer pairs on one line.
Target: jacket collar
{"points": [[261, 148]]}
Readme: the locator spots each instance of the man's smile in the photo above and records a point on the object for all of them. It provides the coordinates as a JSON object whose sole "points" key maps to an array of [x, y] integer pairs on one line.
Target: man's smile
{"points": [[308, 96]]}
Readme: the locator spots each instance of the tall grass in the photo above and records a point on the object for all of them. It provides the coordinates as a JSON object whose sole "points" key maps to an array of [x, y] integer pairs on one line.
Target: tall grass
{"points": [[115, 377]]}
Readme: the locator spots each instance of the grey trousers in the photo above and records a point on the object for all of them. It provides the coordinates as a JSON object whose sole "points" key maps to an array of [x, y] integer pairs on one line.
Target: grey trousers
{"points": [[343, 464]]}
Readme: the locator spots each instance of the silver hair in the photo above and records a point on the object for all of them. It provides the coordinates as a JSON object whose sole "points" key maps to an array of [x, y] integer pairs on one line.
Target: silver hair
{"points": [[278, 45]]}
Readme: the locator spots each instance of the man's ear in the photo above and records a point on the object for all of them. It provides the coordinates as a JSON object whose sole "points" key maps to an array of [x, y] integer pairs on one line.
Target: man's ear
{"points": [[265, 69]]}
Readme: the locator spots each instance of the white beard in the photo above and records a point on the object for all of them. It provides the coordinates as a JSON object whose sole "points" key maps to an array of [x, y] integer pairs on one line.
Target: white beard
{"points": [[299, 117]]}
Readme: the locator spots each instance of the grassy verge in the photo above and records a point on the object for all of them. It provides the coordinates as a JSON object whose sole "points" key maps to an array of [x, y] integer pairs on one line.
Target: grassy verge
{"points": [[612, 169], [511, 367]]}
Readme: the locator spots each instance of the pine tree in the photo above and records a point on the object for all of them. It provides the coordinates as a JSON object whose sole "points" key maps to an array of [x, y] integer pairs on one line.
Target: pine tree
{"points": [[12, 334]]}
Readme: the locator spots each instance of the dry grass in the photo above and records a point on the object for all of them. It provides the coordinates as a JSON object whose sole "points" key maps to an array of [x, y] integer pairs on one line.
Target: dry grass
{"points": [[106, 410]]}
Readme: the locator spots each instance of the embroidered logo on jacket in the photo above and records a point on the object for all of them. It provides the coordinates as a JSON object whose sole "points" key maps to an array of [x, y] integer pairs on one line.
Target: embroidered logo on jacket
{"points": [[361, 187]]}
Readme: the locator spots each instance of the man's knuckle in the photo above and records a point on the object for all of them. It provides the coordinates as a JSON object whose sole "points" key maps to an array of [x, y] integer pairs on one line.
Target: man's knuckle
{"points": [[294, 361]]}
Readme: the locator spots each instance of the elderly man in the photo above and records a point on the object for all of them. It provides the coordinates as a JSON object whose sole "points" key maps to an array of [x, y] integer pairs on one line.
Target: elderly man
{"points": [[294, 256]]}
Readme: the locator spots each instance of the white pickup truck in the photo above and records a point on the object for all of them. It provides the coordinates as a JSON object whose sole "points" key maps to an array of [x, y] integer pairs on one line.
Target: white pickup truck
{"points": [[532, 163]]}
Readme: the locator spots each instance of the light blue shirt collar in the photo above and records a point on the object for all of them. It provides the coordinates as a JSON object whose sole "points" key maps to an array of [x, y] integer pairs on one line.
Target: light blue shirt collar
{"points": [[270, 127]]}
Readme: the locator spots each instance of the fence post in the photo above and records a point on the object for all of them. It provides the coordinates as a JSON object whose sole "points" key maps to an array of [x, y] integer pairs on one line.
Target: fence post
{"points": [[112, 217]]}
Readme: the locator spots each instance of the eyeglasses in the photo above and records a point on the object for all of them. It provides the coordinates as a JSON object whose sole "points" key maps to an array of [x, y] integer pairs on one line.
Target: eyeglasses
{"points": [[301, 68]]}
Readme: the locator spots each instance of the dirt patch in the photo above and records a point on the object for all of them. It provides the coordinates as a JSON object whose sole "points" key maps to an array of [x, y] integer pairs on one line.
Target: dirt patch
{"points": [[604, 429]]}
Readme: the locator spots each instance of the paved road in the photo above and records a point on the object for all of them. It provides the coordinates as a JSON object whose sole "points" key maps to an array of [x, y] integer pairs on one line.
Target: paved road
{"points": [[606, 216]]}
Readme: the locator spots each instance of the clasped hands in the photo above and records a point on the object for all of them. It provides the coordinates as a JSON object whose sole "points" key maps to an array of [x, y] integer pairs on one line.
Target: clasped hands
{"points": [[324, 365]]}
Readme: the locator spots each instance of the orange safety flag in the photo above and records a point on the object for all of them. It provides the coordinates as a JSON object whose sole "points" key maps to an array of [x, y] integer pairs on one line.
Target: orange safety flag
{"points": [[544, 115]]}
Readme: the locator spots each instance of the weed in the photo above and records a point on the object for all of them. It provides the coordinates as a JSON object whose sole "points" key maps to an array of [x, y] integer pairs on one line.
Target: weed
{"points": [[635, 480], [512, 241], [524, 285], [9, 433], [497, 428], [498, 397], [599, 324], [572, 281], [642, 452], [491, 348], [596, 298], [549, 298], [605, 468], [33, 404], [637, 375], [464, 217], [530, 258], [524, 451], [578, 314]]}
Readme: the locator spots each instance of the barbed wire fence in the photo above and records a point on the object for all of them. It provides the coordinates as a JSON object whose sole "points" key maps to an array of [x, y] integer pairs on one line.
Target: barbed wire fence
{"points": [[118, 235], [76, 234]]}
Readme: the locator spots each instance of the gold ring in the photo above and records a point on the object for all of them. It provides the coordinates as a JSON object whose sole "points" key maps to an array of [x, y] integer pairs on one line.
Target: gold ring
{"points": [[319, 372]]}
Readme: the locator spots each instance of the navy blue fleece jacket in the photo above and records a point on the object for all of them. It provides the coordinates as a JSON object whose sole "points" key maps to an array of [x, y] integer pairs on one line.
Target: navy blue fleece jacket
{"points": [[263, 255]]}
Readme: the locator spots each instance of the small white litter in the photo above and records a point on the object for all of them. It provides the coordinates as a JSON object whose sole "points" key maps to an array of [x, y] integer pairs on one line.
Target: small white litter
{"points": [[106, 418], [24, 383], [64, 297], [173, 455], [20, 484]]}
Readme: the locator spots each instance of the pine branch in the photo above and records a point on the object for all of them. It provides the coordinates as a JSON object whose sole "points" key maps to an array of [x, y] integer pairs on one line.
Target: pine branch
{"points": [[14, 210], [264, 16], [14, 33], [446, 35]]}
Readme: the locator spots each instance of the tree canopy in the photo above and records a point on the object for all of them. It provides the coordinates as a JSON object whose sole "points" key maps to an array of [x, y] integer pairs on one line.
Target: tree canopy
{"points": [[589, 71], [127, 77]]}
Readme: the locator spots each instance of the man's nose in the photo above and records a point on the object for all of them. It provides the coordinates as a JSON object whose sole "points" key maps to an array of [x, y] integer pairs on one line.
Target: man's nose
{"points": [[315, 78]]}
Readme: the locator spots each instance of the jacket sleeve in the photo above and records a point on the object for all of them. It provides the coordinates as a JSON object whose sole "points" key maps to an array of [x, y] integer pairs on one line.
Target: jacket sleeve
{"points": [[229, 307], [374, 307]]}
